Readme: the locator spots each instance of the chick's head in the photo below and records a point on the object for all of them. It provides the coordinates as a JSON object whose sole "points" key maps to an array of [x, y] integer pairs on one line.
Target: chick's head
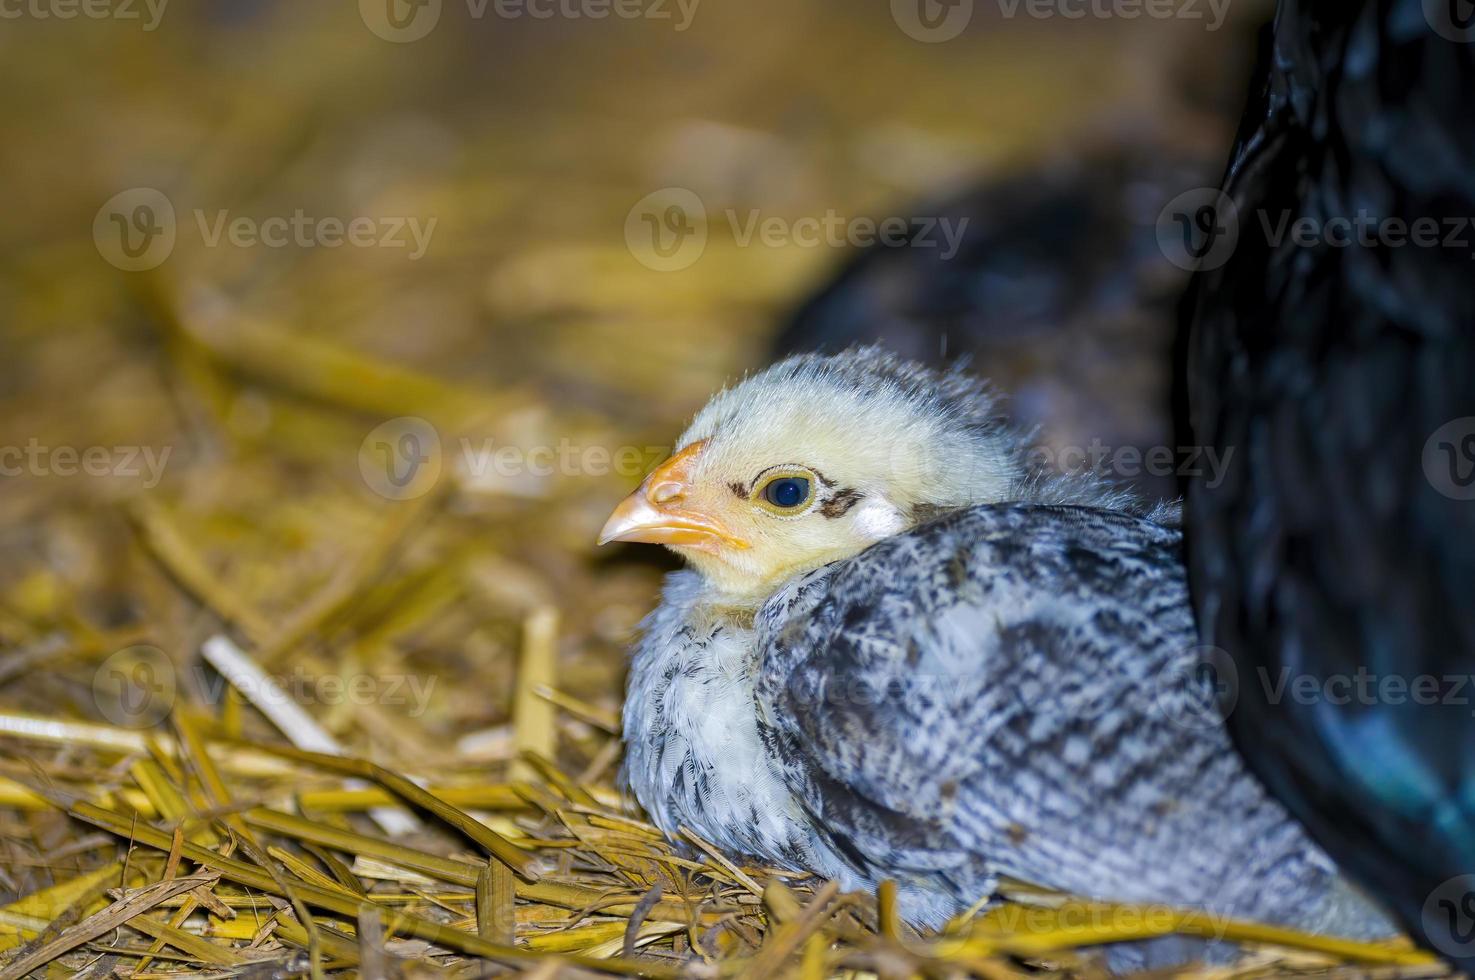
{"points": [[815, 459]]}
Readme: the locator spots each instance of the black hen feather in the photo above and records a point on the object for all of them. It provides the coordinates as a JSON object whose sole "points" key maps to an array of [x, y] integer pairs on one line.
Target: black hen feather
{"points": [[1340, 547]]}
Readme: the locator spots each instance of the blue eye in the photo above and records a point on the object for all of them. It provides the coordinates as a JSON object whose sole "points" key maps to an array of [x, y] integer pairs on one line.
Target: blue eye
{"points": [[787, 492]]}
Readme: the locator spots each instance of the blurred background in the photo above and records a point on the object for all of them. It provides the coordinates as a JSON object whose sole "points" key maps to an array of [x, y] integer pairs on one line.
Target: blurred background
{"points": [[281, 281]]}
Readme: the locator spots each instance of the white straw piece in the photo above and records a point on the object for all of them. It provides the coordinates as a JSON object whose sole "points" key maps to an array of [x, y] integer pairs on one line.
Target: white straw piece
{"points": [[301, 729]]}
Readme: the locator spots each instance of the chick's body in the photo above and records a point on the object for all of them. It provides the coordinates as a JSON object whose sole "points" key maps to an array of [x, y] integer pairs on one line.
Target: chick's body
{"points": [[998, 680]]}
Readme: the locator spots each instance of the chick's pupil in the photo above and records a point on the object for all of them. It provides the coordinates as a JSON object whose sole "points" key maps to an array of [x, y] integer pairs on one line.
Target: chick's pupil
{"points": [[790, 491]]}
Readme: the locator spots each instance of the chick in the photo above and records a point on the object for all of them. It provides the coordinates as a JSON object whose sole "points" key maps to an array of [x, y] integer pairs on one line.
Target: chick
{"points": [[820, 457], [900, 654]]}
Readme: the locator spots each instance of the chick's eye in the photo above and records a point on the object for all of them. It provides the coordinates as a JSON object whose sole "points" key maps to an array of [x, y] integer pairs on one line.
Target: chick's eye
{"points": [[787, 492]]}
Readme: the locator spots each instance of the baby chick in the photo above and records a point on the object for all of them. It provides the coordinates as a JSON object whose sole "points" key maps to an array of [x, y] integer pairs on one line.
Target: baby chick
{"points": [[900, 654]]}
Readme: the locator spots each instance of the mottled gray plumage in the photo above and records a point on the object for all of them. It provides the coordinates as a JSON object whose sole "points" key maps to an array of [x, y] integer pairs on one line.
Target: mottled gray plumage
{"points": [[1004, 689], [1009, 690]]}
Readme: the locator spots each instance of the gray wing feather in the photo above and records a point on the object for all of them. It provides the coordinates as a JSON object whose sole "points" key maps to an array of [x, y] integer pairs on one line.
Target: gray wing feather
{"points": [[1014, 690]]}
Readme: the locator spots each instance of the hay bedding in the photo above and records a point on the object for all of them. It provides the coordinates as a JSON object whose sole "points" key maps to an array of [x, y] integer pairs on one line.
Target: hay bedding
{"points": [[196, 682], [268, 708]]}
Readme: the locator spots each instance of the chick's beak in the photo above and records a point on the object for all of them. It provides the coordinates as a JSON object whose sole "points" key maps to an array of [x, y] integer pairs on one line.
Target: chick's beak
{"points": [[655, 514]]}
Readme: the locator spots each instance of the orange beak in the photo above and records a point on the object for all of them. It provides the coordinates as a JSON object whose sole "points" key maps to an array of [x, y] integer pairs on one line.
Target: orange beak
{"points": [[654, 512]]}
